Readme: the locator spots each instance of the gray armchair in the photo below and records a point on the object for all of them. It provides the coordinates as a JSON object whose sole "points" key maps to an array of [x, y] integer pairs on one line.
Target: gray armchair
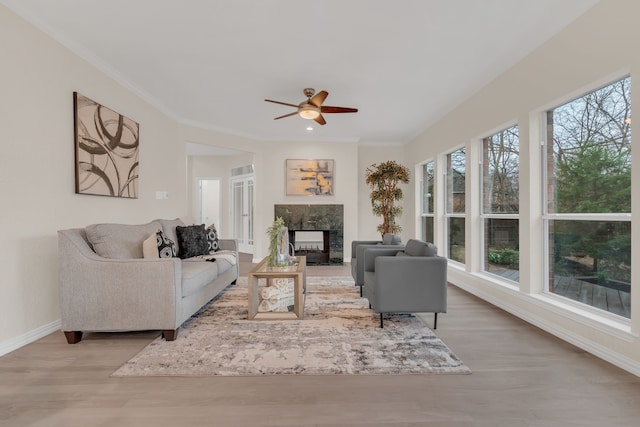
{"points": [[410, 281], [389, 240]]}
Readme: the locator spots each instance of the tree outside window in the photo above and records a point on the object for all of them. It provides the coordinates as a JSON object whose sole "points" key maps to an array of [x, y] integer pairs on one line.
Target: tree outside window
{"points": [[500, 203], [589, 198]]}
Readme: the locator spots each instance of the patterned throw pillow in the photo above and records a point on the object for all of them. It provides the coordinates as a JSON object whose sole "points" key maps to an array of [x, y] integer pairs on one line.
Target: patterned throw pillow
{"points": [[166, 246], [192, 241], [212, 239]]}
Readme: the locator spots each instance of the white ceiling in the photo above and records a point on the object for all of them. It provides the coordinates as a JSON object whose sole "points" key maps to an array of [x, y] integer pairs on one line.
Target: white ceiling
{"points": [[211, 63]]}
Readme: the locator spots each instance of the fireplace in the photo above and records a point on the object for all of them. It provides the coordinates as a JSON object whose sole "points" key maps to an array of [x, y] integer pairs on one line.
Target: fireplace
{"points": [[316, 231], [315, 245]]}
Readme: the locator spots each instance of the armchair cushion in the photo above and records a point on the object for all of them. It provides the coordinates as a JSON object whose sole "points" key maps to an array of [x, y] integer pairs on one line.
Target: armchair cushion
{"points": [[420, 248], [391, 239]]}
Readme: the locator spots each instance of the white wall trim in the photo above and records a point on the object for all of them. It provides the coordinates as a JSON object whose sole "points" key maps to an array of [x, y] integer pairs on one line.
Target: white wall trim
{"points": [[27, 338], [599, 350]]}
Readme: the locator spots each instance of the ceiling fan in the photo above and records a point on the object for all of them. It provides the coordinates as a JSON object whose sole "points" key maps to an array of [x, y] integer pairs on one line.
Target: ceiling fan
{"points": [[312, 108]]}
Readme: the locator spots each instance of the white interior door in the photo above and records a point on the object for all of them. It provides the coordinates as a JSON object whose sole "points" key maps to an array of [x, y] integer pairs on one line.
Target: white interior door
{"points": [[210, 200], [242, 212]]}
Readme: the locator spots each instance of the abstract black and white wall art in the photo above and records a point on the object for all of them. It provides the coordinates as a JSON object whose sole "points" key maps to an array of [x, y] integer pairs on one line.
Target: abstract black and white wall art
{"points": [[106, 146]]}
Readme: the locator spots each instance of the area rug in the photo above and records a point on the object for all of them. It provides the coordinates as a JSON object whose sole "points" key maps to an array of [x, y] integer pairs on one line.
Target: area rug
{"points": [[338, 335]]}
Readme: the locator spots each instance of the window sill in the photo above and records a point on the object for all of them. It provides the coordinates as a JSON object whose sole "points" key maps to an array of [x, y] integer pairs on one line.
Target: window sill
{"points": [[603, 322]]}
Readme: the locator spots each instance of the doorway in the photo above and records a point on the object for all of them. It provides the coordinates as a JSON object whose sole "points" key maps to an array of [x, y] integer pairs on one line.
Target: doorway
{"points": [[210, 200], [242, 201]]}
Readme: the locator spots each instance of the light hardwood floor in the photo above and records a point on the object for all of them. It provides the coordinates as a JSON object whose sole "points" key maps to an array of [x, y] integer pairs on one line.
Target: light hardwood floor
{"points": [[521, 377]]}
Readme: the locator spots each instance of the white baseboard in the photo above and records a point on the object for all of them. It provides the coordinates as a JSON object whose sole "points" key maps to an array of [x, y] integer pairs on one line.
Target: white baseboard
{"points": [[587, 345], [20, 341]]}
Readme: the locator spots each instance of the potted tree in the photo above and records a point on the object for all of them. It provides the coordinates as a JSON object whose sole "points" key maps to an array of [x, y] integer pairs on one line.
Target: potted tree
{"points": [[383, 178]]}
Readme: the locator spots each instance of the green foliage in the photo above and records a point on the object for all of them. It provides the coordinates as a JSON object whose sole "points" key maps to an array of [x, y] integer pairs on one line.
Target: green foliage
{"points": [[383, 179], [595, 179], [603, 247], [504, 257], [274, 234]]}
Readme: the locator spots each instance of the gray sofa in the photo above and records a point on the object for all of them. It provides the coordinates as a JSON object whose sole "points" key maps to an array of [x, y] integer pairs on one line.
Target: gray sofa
{"points": [[413, 280], [107, 285]]}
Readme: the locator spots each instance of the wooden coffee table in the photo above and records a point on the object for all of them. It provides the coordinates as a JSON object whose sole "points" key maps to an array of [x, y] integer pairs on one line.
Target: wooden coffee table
{"points": [[263, 274]]}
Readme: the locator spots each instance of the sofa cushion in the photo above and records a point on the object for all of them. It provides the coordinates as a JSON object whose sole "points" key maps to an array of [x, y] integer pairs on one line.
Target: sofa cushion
{"points": [[391, 239], [223, 264], [420, 248], [196, 275], [212, 238], [120, 241], [192, 241]]}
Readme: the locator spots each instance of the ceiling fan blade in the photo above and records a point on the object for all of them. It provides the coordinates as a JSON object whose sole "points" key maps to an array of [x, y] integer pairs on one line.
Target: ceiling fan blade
{"points": [[286, 115], [328, 109], [319, 98], [281, 103], [320, 120]]}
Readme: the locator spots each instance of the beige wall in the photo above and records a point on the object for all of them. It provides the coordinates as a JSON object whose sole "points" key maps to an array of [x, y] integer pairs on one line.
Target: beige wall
{"points": [[37, 79], [599, 47]]}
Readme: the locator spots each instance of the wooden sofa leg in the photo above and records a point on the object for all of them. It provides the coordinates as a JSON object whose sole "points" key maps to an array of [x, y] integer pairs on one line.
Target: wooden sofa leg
{"points": [[73, 337], [435, 320], [381, 322], [170, 334]]}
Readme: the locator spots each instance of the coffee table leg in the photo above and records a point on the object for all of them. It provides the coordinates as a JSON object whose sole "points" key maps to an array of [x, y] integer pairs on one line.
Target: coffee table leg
{"points": [[253, 297]]}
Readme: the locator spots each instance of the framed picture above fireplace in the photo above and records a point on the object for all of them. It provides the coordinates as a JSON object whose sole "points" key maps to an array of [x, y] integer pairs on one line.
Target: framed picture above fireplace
{"points": [[309, 177]]}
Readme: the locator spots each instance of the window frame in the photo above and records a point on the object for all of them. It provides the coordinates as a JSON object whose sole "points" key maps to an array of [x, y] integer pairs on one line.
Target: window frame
{"points": [[491, 215], [454, 215], [547, 217], [422, 213]]}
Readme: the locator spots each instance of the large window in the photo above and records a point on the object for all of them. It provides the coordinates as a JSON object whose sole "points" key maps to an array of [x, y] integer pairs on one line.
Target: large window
{"points": [[455, 210], [500, 203], [426, 191], [588, 170]]}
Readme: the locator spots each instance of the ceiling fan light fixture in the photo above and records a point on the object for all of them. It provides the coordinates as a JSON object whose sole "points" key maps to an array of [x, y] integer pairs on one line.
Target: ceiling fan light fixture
{"points": [[312, 108], [309, 112]]}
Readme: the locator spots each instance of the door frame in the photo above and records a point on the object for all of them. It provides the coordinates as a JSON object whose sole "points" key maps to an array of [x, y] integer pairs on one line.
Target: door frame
{"points": [[248, 226]]}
